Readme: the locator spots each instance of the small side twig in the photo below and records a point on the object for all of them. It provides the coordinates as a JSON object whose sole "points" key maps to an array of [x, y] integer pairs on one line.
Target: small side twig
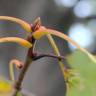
{"points": [[38, 55], [19, 64]]}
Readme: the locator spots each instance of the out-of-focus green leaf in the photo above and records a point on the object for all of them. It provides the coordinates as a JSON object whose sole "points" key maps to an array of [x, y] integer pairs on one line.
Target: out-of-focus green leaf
{"points": [[5, 85], [87, 70], [6, 88]]}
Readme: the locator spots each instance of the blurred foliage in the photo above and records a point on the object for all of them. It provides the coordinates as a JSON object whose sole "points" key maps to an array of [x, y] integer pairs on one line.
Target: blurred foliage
{"points": [[86, 70], [6, 88]]}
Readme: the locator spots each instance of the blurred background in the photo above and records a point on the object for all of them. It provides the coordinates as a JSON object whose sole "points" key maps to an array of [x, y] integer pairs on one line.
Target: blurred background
{"points": [[76, 18]]}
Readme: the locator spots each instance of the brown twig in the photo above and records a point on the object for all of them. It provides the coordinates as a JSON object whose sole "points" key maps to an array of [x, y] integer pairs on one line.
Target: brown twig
{"points": [[38, 55], [29, 58], [18, 83]]}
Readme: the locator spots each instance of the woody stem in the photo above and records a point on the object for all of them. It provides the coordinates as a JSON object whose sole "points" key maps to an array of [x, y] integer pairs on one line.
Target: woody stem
{"points": [[29, 60]]}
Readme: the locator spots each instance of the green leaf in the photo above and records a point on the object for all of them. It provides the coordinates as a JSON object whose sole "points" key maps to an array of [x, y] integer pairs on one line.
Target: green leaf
{"points": [[87, 72], [6, 88]]}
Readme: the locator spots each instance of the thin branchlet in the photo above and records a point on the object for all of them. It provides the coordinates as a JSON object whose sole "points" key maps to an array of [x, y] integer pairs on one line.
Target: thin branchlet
{"points": [[38, 55], [19, 64]]}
